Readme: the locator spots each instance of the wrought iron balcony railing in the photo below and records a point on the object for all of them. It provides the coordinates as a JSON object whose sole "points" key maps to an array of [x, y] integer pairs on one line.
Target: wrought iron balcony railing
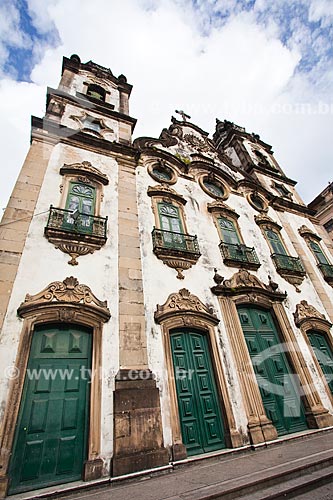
{"points": [[239, 254], [76, 223], [288, 264], [168, 240], [327, 271]]}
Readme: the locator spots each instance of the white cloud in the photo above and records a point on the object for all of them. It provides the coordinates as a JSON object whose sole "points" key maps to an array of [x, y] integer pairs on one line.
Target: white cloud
{"points": [[236, 69]]}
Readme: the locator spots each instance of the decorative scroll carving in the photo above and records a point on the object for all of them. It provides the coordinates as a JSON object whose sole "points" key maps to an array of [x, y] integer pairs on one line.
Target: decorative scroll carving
{"points": [[264, 220], [166, 192], [69, 291], [244, 282], [305, 311], [182, 303], [221, 208], [85, 168], [196, 142], [307, 233]]}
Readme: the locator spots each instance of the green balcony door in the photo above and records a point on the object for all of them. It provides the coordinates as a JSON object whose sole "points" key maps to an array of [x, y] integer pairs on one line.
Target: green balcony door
{"points": [[51, 434], [198, 402], [278, 387], [324, 355], [228, 231], [81, 202], [171, 225]]}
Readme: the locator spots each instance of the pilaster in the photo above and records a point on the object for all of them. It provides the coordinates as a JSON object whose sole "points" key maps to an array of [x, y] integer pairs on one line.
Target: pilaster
{"points": [[138, 422]]}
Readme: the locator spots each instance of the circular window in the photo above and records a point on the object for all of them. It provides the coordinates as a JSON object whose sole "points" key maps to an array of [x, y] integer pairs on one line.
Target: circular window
{"points": [[258, 202], [213, 187], [162, 173]]}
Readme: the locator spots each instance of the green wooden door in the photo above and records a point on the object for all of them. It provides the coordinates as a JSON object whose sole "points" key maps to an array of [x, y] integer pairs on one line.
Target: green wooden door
{"points": [[81, 202], [198, 402], [324, 355], [51, 433], [278, 387]]}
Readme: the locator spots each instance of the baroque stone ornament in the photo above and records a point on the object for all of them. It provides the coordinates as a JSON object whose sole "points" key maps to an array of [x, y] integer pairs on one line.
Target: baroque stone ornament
{"points": [[244, 282], [87, 169], [307, 233], [58, 293], [184, 302], [305, 311]]}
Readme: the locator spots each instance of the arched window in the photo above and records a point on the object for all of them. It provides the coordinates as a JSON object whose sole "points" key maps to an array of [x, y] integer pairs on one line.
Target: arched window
{"points": [[171, 242], [323, 263], [289, 267], [96, 91], [234, 252]]}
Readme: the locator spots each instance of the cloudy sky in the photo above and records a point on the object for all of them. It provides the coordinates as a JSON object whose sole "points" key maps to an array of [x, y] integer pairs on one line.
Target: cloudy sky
{"points": [[263, 64]]}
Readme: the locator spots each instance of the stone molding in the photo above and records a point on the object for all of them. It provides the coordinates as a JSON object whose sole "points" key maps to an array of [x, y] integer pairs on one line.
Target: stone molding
{"points": [[308, 234], [167, 193], [266, 221], [221, 208], [183, 303], [245, 283], [305, 312], [85, 168], [69, 291]]}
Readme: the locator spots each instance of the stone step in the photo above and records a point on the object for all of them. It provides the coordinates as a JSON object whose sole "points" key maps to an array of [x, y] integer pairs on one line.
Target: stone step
{"points": [[274, 480], [294, 487]]}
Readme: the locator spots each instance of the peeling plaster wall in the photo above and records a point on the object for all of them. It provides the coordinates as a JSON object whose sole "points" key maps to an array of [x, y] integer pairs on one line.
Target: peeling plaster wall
{"points": [[160, 281], [42, 264]]}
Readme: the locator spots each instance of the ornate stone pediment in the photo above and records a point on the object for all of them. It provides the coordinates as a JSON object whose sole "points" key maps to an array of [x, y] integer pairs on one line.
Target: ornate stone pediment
{"points": [[307, 233], [183, 303], [86, 169], [166, 192], [263, 220], [244, 282], [305, 311], [67, 292], [222, 208]]}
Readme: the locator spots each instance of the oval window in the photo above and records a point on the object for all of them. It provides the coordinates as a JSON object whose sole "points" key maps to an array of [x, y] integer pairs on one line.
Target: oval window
{"points": [[214, 188]]}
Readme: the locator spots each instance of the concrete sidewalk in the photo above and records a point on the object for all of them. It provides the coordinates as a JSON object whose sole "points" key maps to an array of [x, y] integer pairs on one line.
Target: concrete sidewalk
{"points": [[228, 472]]}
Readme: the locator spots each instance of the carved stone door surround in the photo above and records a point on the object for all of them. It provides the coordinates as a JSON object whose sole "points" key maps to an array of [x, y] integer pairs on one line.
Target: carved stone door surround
{"points": [[60, 302], [184, 310], [308, 318], [246, 289]]}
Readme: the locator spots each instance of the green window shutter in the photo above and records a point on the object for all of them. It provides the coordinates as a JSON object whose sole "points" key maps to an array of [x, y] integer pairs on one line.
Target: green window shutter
{"points": [[170, 218], [275, 242], [318, 253], [229, 231], [81, 198]]}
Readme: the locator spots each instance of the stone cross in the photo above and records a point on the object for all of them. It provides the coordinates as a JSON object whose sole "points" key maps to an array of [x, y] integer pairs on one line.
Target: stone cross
{"points": [[183, 115]]}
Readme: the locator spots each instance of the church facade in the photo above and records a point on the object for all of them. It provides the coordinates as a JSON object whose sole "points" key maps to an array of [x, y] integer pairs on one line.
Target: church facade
{"points": [[161, 299]]}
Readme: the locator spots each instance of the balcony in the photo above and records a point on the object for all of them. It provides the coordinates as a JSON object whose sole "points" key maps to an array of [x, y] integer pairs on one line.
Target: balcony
{"points": [[177, 250], [290, 268], [75, 233], [327, 272], [287, 263], [239, 255]]}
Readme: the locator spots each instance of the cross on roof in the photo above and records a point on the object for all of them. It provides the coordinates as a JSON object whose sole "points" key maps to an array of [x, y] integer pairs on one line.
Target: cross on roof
{"points": [[183, 115]]}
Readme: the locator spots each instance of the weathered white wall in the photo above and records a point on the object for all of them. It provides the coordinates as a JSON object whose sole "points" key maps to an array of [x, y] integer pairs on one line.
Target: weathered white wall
{"points": [[160, 281], [42, 264]]}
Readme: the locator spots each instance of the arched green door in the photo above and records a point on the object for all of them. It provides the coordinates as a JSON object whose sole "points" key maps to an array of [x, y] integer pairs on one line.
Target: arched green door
{"points": [[199, 407], [324, 355], [278, 386], [51, 434]]}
